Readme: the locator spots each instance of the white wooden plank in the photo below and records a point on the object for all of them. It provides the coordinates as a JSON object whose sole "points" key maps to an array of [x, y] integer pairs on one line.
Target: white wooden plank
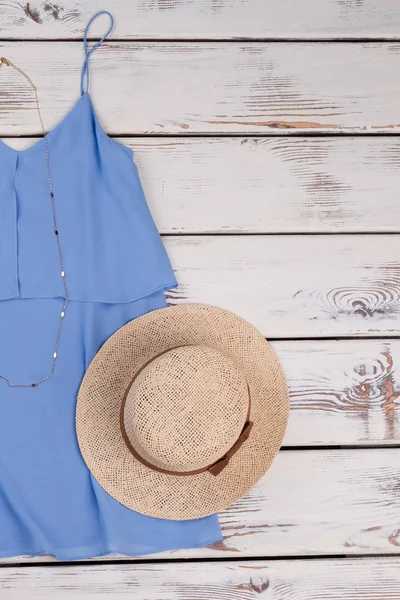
{"points": [[294, 286], [268, 185], [181, 88], [358, 579], [205, 19], [317, 502], [342, 392]]}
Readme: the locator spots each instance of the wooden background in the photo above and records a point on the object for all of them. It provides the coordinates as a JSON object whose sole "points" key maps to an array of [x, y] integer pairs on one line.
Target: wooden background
{"points": [[266, 134]]}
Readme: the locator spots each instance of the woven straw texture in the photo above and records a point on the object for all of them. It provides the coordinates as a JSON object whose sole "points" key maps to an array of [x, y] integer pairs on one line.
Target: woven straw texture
{"points": [[244, 357], [186, 409]]}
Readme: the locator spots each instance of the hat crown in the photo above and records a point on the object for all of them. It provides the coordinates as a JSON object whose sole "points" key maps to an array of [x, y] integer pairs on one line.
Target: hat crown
{"points": [[186, 408]]}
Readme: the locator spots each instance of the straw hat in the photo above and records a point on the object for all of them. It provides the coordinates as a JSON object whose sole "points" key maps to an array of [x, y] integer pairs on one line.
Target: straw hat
{"points": [[182, 411]]}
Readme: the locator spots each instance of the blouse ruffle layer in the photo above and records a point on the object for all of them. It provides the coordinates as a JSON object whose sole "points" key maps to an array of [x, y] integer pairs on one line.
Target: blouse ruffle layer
{"points": [[112, 251]]}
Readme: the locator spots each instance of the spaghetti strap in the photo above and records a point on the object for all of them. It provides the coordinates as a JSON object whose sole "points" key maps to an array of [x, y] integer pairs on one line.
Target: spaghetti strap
{"points": [[85, 67]]}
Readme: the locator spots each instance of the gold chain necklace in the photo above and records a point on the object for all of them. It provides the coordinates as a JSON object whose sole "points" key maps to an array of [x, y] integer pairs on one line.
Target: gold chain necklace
{"points": [[8, 63]]}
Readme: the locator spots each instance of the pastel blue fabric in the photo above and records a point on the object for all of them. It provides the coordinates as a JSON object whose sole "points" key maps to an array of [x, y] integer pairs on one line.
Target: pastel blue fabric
{"points": [[117, 269]]}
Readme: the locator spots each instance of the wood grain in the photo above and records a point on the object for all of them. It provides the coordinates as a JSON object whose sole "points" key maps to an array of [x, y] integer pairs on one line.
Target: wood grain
{"points": [[206, 19], [181, 88], [312, 503], [344, 579], [294, 286], [342, 392], [271, 185], [320, 502], [268, 185]]}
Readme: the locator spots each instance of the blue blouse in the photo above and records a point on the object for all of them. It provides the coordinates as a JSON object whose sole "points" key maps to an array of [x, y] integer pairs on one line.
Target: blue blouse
{"points": [[117, 269]]}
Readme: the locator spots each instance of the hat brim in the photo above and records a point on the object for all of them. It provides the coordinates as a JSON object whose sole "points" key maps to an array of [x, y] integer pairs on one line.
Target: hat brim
{"points": [[99, 402]]}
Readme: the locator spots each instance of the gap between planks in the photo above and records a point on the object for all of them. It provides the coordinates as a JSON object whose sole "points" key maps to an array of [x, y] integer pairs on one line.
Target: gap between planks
{"points": [[207, 40], [101, 561], [209, 135]]}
